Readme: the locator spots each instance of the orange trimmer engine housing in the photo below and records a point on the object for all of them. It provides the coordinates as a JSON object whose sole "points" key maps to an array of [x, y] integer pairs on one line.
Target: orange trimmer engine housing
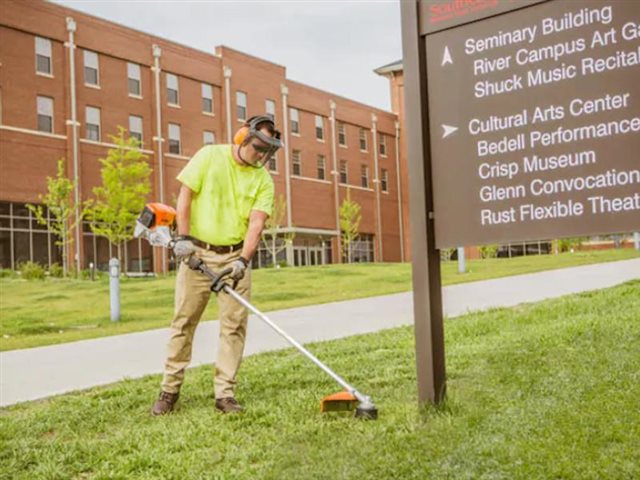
{"points": [[157, 215]]}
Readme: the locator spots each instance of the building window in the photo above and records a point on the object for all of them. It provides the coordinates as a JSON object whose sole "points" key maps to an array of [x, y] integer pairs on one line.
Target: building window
{"points": [[270, 108], [43, 56], [174, 138], [295, 120], [321, 170], [383, 145], [92, 123], [133, 79], [91, 68], [361, 249], [296, 163], [207, 98], [319, 128], [384, 180], [173, 89], [364, 176], [241, 106], [135, 127], [342, 134], [343, 172], [363, 140], [273, 164], [208, 138], [45, 114], [23, 239]]}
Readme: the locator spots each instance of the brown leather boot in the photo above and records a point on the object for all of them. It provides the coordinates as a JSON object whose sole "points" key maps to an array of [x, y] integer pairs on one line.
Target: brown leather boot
{"points": [[228, 405], [165, 403]]}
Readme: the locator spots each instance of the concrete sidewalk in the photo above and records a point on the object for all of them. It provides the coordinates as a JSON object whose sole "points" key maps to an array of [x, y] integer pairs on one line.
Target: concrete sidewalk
{"points": [[44, 371]]}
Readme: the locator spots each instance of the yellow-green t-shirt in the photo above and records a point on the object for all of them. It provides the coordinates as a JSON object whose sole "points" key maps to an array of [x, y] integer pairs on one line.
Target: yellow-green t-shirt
{"points": [[225, 194]]}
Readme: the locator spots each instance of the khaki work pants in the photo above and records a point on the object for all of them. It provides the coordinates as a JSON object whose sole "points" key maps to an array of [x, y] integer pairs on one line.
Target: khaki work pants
{"points": [[193, 290]]}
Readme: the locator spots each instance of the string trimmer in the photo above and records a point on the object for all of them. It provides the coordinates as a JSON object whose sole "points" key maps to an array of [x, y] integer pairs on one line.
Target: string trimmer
{"points": [[154, 225]]}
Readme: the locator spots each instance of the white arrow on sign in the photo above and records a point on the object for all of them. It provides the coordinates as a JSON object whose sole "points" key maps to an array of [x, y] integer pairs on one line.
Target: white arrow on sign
{"points": [[448, 130], [446, 57]]}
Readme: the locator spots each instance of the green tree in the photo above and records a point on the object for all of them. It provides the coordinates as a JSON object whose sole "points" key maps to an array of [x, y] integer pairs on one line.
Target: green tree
{"points": [[125, 185], [350, 218], [489, 251], [59, 203], [273, 227]]}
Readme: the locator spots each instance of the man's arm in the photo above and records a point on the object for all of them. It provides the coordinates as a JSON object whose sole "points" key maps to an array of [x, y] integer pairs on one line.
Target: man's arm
{"points": [[257, 219], [183, 210]]}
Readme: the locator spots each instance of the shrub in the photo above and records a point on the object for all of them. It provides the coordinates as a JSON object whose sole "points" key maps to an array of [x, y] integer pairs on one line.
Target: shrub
{"points": [[570, 244], [31, 271], [56, 271], [446, 253], [489, 251], [7, 273]]}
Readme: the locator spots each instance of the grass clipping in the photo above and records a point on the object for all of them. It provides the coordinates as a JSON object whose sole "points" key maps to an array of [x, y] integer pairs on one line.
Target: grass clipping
{"points": [[547, 390]]}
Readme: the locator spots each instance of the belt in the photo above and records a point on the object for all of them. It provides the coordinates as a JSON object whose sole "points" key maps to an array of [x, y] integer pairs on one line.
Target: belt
{"points": [[215, 248]]}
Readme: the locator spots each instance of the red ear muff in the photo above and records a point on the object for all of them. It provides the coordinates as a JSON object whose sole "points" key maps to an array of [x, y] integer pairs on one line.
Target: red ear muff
{"points": [[240, 136]]}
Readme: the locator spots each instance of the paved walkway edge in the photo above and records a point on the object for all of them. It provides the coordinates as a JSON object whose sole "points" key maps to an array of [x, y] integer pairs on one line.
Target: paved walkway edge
{"points": [[45, 371]]}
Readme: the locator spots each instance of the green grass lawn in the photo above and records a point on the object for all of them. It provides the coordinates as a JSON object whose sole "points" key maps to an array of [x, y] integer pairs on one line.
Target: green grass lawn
{"points": [[539, 391], [35, 313]]}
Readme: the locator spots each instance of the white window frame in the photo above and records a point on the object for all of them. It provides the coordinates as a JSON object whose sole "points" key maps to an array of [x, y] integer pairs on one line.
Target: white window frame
{"points": [[270, 108], [273, 163], [321, 164], [241, 103], [88, 111], [212, 136], [44, 48], [88, 60], [364, 176], [363, 136], [294, 116], [345, 171], [41, 110], [319, 123], [296, 162], [384, 180], [382, 145], [170, 127], [206, 90], [171, 80], [134, 70], [134, 119], [342, 131]]}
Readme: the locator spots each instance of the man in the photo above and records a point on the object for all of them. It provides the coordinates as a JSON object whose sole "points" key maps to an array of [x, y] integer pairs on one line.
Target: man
{"points": [[225, 198]]}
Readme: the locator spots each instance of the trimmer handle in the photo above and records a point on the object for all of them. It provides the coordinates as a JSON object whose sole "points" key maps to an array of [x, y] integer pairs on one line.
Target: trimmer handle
{"points": [[217, 279]]}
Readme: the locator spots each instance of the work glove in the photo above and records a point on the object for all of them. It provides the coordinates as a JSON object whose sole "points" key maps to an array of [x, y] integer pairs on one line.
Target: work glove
{"points": [[239, 267], [183, 247]]}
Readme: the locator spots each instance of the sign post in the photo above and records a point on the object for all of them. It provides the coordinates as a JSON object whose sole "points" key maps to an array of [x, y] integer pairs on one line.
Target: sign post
{"points": [[523, 124]]}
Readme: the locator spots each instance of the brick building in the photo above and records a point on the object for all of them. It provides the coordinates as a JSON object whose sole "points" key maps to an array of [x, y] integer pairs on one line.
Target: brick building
{"points": [[68, 79]]}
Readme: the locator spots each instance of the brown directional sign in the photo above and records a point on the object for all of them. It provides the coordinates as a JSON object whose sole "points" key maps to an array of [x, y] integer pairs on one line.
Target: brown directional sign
{"points": [[535, 123], [522, 123]]}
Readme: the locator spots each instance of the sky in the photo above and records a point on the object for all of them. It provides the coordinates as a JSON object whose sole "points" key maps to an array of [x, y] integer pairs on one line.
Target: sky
{"points": [[331, 45]]}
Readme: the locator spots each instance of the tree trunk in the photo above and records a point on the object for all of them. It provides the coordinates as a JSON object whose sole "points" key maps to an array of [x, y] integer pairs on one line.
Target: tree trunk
{"points": [[65, 263], [124, 265], [275, 253]]}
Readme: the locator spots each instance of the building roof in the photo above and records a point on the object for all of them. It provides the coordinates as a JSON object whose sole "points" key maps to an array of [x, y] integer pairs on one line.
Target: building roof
{"points": [[389, 68]]}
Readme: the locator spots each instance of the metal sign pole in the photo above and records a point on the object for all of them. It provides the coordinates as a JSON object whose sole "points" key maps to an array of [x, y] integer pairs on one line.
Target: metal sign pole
{"points": [[427, 290]]}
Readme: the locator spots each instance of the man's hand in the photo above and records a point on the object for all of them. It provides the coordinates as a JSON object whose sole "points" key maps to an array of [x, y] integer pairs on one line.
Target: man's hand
{"points": [[183, 247], [239, 267]]}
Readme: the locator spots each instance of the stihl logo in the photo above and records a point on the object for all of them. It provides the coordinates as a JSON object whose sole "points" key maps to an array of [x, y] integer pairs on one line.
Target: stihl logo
{"points": [[440, 12]]}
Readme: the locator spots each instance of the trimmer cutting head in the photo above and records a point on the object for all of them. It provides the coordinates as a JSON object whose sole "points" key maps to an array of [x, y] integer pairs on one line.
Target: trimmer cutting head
{"points": [[347, 402]]}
